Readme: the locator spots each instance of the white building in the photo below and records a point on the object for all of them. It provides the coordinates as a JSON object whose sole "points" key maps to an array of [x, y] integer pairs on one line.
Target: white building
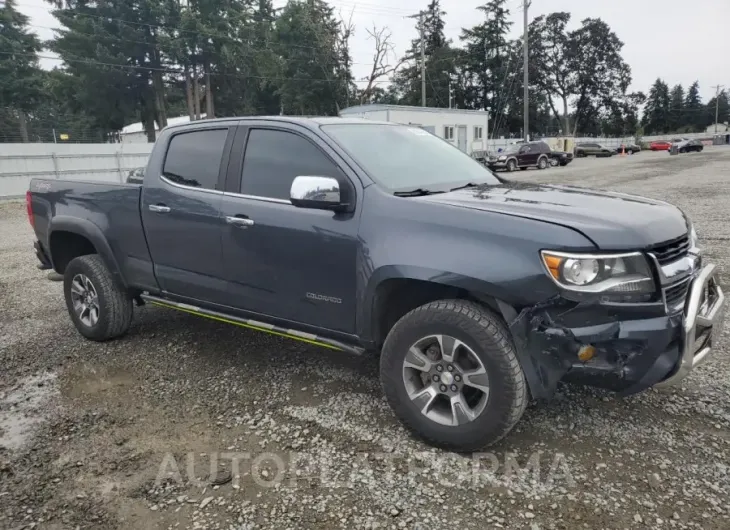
{"points": [[466, 129], [134, 133]]}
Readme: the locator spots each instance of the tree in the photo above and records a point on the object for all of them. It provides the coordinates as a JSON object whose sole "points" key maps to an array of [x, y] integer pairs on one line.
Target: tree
{"points": [[552, 63], [440, 63], [723, 111], [485, 57], [677, 115], [693, 108], [383, 59], [657, 118], [602, 75], [20, 76], [313, 78]]}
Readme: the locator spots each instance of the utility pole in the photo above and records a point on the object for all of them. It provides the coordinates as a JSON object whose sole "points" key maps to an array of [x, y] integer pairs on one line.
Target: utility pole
{"points": [[526, 77], [717, 101], [451, 93], [423, 59]]}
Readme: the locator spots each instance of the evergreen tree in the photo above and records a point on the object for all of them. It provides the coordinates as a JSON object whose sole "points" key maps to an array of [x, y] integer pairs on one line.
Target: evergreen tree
{"points": [[693, 109], [677, 115], [440, 63], [20, 76], [657, 119], [486, 56]]}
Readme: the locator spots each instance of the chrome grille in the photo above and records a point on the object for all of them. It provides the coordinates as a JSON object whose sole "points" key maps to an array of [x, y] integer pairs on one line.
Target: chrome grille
{"points": [[676, 294], [671, 250]]}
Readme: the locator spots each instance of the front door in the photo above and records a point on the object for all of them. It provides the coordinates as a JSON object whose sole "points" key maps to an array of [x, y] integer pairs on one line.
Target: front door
{"points": [[181, 214], [293, 263], [461, 137]]}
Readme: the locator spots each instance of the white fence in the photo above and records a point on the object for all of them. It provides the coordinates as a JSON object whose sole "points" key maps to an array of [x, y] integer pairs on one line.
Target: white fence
{"points": [[19, 163]]}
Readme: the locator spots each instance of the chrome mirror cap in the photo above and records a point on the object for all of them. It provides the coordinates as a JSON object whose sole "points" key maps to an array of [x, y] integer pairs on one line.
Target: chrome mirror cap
{"points": [[315, 192]]}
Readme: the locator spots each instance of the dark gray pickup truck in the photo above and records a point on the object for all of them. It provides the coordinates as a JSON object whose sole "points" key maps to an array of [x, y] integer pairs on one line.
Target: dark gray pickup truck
{"points": [[478, 293]]}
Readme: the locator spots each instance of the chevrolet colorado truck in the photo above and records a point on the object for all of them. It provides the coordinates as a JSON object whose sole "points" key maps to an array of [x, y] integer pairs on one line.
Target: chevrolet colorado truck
{"points": [[479, 294]]}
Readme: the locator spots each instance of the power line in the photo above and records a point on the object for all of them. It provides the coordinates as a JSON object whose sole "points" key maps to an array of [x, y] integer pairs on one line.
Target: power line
{"points": [[178, 72], [248, 47]]}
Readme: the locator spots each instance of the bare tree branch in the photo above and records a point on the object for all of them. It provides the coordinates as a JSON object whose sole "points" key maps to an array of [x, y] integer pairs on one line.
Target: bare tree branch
{"points": [[383, 55]]}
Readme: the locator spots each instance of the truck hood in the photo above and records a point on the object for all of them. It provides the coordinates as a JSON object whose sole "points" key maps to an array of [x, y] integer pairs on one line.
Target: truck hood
{"points": [[613, 221]]}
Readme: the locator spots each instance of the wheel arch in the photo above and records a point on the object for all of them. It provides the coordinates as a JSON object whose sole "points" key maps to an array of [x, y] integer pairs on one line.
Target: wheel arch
{"points": [[395, 291], [70, 237]]}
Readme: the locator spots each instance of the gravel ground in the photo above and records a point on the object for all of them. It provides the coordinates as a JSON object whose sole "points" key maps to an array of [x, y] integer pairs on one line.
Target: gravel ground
{"points": [[186, 423]]}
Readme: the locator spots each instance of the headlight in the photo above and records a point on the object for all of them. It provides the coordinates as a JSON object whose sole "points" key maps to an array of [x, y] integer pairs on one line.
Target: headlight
{"points": [[620, 274], [502, 158]]}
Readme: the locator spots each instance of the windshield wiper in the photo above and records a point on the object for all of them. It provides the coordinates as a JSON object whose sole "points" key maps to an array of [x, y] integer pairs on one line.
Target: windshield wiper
{"points": [[465, 186], [418, 192]]}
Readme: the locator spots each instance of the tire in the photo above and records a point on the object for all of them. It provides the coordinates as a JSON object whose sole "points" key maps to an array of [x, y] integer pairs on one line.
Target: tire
{"points": [[630, 152], [542, 163], [554, 162], [115, 307], [482, 334], [511, 165]]}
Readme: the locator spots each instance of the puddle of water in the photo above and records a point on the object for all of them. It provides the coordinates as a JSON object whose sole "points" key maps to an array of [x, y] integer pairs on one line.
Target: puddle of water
{"points": [[25, 407]]}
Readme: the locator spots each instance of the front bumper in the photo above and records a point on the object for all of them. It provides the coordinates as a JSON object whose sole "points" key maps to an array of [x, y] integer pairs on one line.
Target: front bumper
{"points": [[702, 325], [635, 347]]}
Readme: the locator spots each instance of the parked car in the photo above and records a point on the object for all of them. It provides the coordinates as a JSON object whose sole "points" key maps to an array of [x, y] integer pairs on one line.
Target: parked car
{"points": [[521, 155], [685, 145], [660, 145], [560, 158], [628, 149], [478, 294], [592, 149], [136, 176]]}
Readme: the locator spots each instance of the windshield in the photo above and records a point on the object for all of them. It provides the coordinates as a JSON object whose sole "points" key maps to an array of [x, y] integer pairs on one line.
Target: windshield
{"points": [[403, 158], [512, 148]]}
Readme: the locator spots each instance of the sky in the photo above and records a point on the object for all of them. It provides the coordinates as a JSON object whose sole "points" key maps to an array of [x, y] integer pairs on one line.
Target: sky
{"points": [[678, 40]]}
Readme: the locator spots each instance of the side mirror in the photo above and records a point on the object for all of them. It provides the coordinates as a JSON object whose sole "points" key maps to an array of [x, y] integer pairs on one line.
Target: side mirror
{"points": [[319, 193]]}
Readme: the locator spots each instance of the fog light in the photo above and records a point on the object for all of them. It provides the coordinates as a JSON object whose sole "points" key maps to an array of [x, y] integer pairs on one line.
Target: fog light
{"points": [[586, 353]]}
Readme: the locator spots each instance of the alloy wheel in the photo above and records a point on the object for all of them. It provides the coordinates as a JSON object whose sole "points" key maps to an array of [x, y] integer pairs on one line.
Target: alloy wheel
{"points": [[446, 380], [85, 300]]}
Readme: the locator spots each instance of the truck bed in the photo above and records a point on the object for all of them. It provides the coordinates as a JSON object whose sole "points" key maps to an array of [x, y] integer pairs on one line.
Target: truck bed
{"points": [[109, 211]]}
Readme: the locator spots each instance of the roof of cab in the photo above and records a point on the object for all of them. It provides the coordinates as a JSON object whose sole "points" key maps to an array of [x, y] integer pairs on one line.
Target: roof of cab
{"points": [[313, 121]]}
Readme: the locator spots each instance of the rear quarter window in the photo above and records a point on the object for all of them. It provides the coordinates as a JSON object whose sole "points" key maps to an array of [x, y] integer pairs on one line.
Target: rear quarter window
{"points": [[194, 158]]}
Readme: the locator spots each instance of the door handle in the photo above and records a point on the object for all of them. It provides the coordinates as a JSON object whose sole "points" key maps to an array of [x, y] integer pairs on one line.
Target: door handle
{"points": [[240, 221], [159, 208]]}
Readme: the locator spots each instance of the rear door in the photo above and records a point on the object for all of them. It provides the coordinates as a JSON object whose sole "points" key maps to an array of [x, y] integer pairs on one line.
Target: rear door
{"points": [[292, 263], [527, 156], [181, 212]]}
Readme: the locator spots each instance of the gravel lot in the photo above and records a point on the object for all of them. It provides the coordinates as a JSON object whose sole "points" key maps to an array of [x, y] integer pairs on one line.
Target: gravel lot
{"points": [[136, 433]]}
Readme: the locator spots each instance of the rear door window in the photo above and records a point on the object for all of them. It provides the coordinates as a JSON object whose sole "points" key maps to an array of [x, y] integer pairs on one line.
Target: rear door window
{"points": [[194, 158]]}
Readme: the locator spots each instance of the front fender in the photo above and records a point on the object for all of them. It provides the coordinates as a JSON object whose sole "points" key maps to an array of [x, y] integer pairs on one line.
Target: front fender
{"points": [[93, 233]]}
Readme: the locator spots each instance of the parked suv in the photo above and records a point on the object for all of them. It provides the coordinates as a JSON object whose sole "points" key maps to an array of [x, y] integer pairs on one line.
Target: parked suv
{"points": [[593, 149], [522, 155]]}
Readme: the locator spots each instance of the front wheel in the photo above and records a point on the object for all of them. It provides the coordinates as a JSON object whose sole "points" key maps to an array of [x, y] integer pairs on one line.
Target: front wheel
{"points": [[99, 308], [554, 162], [450, 373], [511, 165]]}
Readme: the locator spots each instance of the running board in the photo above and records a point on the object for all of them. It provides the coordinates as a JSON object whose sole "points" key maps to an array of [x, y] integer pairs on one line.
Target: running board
{"points": [[248, 323]]}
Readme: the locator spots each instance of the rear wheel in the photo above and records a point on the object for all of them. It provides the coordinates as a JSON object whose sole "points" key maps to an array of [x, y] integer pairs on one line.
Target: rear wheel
{"points": [[99, 308], [450, 373], [542, 163]]}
